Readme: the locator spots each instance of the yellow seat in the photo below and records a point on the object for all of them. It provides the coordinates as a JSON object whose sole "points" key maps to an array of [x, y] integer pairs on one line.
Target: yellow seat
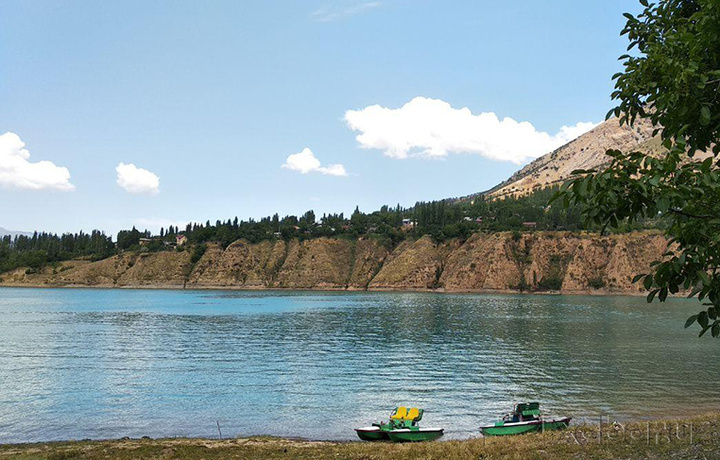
{"points": [[413, 413], [399, 414]]}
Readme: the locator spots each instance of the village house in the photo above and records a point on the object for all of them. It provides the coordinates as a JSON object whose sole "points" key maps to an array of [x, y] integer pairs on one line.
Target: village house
{"points": [[408, 223], [180, 240]]}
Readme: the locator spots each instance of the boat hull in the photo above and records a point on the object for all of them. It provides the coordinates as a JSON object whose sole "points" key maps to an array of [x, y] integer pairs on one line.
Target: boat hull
{"points": [[372, 433], [423, 434], [525, 427]]}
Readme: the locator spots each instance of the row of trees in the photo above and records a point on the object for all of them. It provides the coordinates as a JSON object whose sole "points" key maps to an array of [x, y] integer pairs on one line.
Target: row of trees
{"points": [[442, 219], [43, 248]]}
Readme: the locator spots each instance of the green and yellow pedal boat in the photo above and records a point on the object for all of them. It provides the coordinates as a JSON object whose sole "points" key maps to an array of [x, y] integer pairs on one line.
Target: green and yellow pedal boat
{"points": [[525, 418], [401, 427]]}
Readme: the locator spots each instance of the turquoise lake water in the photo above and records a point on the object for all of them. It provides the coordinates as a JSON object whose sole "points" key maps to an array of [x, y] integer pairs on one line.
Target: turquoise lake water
{"points": [[96, 364]]}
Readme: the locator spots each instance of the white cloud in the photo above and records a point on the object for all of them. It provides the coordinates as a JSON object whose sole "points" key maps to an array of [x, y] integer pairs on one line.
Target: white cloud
{"points": [[17, 171], [137, 180], [305, 162], [433, 128], [335, 12]]}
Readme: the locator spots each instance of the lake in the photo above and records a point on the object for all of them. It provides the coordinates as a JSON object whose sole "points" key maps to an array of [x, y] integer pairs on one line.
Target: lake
{"points": [[86, 363]]}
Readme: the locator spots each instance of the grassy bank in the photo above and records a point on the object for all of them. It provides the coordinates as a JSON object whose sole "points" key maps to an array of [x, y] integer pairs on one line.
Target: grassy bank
{"points": [[688, 438]]}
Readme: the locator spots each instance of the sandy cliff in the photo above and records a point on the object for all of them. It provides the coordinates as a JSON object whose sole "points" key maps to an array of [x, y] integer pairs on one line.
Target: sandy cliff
{"points": [[533, 262]]}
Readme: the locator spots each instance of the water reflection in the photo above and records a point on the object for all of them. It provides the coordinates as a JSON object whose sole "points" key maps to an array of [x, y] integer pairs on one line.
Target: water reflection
{"points": [[99, 364]]}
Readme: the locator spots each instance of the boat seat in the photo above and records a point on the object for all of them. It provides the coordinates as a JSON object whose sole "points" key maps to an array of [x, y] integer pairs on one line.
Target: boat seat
{"points": [[405, 414], [414, 414], [400, 413]]}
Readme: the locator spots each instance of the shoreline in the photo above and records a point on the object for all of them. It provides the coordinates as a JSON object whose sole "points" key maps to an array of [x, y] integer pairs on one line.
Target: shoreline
{"points": [[577, 423], [695, 436], [177, 287]]}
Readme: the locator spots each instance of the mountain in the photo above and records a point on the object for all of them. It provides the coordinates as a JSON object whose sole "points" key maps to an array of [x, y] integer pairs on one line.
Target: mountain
{"points": [[585, 152], [5, 232]]}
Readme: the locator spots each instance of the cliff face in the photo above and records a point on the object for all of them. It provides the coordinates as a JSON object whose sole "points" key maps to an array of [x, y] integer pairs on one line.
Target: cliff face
{"points": [[240, 264], [413, 265], [538, 261]]}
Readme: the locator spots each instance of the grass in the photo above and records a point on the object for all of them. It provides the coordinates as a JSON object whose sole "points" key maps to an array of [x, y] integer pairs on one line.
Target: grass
{"points": [[656, 439]]}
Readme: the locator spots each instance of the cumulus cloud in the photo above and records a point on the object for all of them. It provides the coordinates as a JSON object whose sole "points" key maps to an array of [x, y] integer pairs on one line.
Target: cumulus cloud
{"points": [[305, 162], [433, 128], [137, 180], [17, 171], [335, 12]]}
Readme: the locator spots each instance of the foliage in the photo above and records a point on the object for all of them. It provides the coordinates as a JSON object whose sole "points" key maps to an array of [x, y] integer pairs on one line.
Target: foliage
{"points": [[441, 219], [673, 81], [675, 76], [197, 253], [444, 219], [127, 239], [550, 283], [43, 248], [596, 282]]}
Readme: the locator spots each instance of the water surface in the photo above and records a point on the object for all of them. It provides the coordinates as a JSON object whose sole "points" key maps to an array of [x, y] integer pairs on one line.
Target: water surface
{"points": [[80, 364]]}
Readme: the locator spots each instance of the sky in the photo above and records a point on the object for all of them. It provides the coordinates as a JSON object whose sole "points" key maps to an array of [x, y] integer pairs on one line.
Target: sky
{"points": [[157, 113]]}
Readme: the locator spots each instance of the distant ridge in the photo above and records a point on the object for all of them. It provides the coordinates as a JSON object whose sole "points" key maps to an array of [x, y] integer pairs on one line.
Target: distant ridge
{"points": [[4, 232]]}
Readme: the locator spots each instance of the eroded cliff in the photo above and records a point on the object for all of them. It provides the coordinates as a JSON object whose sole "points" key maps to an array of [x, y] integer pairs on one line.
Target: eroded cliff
{"points": [[536, 261]]}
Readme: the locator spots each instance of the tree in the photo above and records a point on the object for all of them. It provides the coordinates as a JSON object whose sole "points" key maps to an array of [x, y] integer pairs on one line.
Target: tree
{"points": [[308, 218], [673, 79], [126, 239]]}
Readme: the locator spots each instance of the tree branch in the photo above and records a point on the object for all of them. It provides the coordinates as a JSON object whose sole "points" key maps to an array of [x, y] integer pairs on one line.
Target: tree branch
{"points": [[692, 216]]}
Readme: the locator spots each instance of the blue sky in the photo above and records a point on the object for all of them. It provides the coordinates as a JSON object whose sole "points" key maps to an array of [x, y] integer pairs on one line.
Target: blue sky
{"points": [[200, 104]]}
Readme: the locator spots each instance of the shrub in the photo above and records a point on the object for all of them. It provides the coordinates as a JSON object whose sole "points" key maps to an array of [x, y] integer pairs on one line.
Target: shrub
{"points": [[596, 283], [198, 252], [550, 283]]}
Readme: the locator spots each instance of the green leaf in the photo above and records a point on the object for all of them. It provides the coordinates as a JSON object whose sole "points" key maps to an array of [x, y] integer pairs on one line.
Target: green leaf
{"points": [[702, 318], [647, 283], [690, 321], [705, 115], [704, 278], [651, 296]]}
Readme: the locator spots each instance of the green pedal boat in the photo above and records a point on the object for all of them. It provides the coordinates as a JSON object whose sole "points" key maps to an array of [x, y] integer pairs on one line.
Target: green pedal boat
{"points": [[525, 418], [402, 427]]}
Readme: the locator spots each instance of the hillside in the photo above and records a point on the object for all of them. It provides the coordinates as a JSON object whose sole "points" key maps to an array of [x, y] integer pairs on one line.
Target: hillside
{"points": [[500, 262], [464, 246], [585, 152]]}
